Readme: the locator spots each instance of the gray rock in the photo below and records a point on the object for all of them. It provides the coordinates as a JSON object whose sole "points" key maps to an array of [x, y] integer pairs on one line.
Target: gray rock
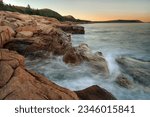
{"points": [[138, 69], [123, 81], [82, 53]]}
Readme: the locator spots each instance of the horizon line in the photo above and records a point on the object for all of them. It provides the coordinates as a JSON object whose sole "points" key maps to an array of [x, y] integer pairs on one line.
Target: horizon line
{"points": [[92, 20]]}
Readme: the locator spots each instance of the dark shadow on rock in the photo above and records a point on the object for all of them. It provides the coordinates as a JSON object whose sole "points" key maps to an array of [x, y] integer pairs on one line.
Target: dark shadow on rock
{"points": [[94, 93], [18, 45]]}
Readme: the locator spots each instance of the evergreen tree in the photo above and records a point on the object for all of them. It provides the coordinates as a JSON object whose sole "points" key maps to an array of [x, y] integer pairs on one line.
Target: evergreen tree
{"points": [[28, 10], [37, 12], [2, 6]]}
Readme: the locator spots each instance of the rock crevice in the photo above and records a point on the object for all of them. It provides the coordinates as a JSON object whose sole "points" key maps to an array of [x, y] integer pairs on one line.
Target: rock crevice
{"points": [[35, 36]]}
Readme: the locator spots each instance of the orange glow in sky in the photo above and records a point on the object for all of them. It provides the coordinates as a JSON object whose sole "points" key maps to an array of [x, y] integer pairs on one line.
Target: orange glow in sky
{"points": [[98, 10], [99, 17]]}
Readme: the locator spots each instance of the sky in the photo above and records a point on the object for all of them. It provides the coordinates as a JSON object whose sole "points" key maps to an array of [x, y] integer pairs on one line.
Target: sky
{"points": [[95, 10]]}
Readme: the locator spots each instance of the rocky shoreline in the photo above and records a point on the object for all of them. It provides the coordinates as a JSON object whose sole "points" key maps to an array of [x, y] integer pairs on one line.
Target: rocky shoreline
{"points": [[38, 37]]}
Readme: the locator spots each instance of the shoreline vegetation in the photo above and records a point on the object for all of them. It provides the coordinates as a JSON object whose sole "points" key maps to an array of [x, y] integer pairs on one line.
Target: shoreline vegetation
{"points": [[119, 21], [41, 12], [33, 36], [50, 13], [38, 37]]}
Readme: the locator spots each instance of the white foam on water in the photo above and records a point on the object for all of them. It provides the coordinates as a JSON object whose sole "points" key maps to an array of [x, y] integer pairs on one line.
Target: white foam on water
{"points": [[111, 45], [112, 65]]}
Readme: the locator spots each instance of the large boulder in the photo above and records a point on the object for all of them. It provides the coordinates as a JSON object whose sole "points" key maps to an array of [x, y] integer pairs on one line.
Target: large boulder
{"points": [[16, 82], [95, 93], [138, 69], [72, 57], [123, 81], [82, 53], [73, 29]]}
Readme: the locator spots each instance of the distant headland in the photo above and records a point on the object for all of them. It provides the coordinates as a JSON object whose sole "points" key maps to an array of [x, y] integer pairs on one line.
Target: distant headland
{"points": [[119, 21], [50, 13]]}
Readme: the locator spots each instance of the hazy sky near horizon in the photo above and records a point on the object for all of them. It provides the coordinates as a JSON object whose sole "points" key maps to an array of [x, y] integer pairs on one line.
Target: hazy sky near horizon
{"points": [[93, 9]]}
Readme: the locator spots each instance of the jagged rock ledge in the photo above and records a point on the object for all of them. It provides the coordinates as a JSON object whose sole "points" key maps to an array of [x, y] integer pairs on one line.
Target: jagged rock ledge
{"points": [[16, 82], [36, 36], [73, 29]]}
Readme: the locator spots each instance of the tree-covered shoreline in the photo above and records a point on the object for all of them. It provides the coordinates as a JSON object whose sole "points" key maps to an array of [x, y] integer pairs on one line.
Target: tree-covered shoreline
{"points": [[41, 12]]}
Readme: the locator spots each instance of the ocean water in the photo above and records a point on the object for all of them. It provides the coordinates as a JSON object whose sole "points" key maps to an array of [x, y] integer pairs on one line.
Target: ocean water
{"points": [[113, 40]]}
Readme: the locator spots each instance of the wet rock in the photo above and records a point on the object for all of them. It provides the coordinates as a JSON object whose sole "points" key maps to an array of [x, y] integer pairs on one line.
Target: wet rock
{"points": [[19, 83], [72, 57], [83, 53], [36, 34], [95, 93], [138, 69], [123, 81], [98, 63]]}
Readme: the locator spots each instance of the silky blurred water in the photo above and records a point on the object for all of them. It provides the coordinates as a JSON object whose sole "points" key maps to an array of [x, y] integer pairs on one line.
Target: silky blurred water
{"points": [[113, 40]]}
